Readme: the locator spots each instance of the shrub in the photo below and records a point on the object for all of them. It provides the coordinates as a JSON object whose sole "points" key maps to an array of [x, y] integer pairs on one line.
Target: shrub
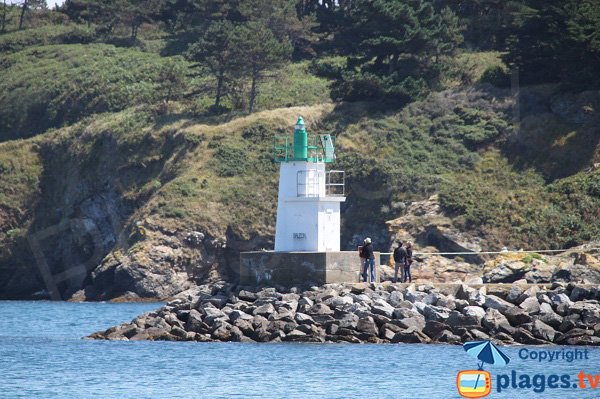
{"points": [[330, 68], [50, 86], [496, 75], [230, 161]]}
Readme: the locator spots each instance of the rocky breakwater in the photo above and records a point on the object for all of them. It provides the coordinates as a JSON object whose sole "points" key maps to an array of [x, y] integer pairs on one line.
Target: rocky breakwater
{"points": [[565, 314]]}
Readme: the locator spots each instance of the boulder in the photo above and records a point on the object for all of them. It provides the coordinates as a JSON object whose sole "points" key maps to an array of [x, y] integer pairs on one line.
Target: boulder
{"points": [[474, 311], [302, 318], [396, 298], [380, 319], [347, 320], [514, 294], [236, 334], [457, 319], [579, 293], [448, 337], [247, 296], [417, 322], [259, 322], [339, 301], [495, 321], [283, 314], [540, 272], [433, 328], [414, 296], [548, 316], [367, 325], [387, 335], [238, 314], [294, 336], [479, 335], [541, 330], [543, 298], [582, 340], [557, 299], [578, 273], [525, 337], [471, 295], [264, 310], [411, 335], [530, 292], [435, 313], [494, 302], [530, 305], [382, 307], [569, 323], [504, 270], [461, 304], [180, 332], [517, 316], [195, 323], [446, 301], [222, 334], [244, 325]]}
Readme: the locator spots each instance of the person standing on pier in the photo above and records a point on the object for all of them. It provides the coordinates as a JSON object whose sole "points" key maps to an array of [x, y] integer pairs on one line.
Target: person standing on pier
{"points": [[369, 256], [400, 256], [409, 260]]}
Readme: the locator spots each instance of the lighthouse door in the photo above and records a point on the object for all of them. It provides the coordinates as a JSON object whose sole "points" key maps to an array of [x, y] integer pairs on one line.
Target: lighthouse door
{"points": [[327, 229]]}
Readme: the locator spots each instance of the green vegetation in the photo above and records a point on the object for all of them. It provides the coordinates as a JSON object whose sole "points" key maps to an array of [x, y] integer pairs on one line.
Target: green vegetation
{"points": [[174, 106], [513, 207], [395, 48], [50, 86], [557, 41]]}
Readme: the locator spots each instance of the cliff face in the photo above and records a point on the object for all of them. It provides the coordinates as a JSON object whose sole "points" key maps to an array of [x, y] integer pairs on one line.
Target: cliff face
{"points": [[139, 213], [151, 201]]}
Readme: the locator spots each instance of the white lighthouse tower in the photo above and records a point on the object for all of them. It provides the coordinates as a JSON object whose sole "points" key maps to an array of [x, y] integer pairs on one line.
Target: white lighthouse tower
{"points": [[307, 235], [308, 207]]}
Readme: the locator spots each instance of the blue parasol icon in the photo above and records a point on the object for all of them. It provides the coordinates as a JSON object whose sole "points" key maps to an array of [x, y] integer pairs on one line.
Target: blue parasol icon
{"points": [[486, 352]]}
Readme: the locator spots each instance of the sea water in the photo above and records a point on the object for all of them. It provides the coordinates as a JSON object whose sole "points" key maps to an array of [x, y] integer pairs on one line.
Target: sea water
{"points": [[43, 355]]}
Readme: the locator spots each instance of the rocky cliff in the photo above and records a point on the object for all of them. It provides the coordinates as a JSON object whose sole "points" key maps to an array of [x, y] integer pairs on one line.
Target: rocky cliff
{"points": [[151, 201]]}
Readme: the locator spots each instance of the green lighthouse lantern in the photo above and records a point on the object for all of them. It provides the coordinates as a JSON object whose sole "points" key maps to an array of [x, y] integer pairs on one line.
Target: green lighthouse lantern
{"points": [[300, 141]]}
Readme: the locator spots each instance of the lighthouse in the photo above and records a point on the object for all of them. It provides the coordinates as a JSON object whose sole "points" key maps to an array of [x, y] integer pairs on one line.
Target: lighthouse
{"points": [[308, 205], [307, 229]]}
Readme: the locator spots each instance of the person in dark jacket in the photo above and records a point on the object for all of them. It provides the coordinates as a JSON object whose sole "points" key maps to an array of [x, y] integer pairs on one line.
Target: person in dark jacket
{"points": [[399, 259], [369, 259], [409, 260]]}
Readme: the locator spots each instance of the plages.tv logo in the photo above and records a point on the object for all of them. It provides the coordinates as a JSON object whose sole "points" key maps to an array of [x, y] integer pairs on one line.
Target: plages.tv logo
{"points": [[478, 383]]}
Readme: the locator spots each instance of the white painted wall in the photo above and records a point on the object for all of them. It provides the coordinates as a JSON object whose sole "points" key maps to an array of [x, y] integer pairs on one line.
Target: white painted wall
{"points": [[311, 221]]}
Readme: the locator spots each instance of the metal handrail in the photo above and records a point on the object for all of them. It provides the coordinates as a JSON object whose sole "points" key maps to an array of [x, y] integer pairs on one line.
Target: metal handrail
{"points": [[283, 150], [330, 187]]}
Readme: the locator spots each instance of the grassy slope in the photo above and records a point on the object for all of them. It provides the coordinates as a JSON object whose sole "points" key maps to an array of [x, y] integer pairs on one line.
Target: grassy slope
{"points": [[188, 171]]}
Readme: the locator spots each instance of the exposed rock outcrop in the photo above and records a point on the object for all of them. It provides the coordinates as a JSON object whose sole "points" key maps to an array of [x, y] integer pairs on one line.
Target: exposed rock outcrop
{"points": [[425, 222]]}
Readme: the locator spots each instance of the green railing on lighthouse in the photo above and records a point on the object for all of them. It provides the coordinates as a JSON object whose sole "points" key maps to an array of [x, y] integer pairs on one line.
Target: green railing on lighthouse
{"points": [[315, 148]]}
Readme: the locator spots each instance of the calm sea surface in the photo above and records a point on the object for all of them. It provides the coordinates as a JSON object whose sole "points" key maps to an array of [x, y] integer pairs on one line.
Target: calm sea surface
{"points": [[42, 355]]}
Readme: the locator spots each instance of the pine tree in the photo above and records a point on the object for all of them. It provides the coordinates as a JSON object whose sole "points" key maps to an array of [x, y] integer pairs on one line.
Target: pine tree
{"points": [[217, 51], [172, 80], [557, 41], [195, 16], [4, 10], [259, 51], [394, 46]]}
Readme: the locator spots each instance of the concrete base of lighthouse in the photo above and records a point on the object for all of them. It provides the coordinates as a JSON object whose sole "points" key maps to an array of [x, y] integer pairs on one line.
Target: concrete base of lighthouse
{"points": [[301, 268]]}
